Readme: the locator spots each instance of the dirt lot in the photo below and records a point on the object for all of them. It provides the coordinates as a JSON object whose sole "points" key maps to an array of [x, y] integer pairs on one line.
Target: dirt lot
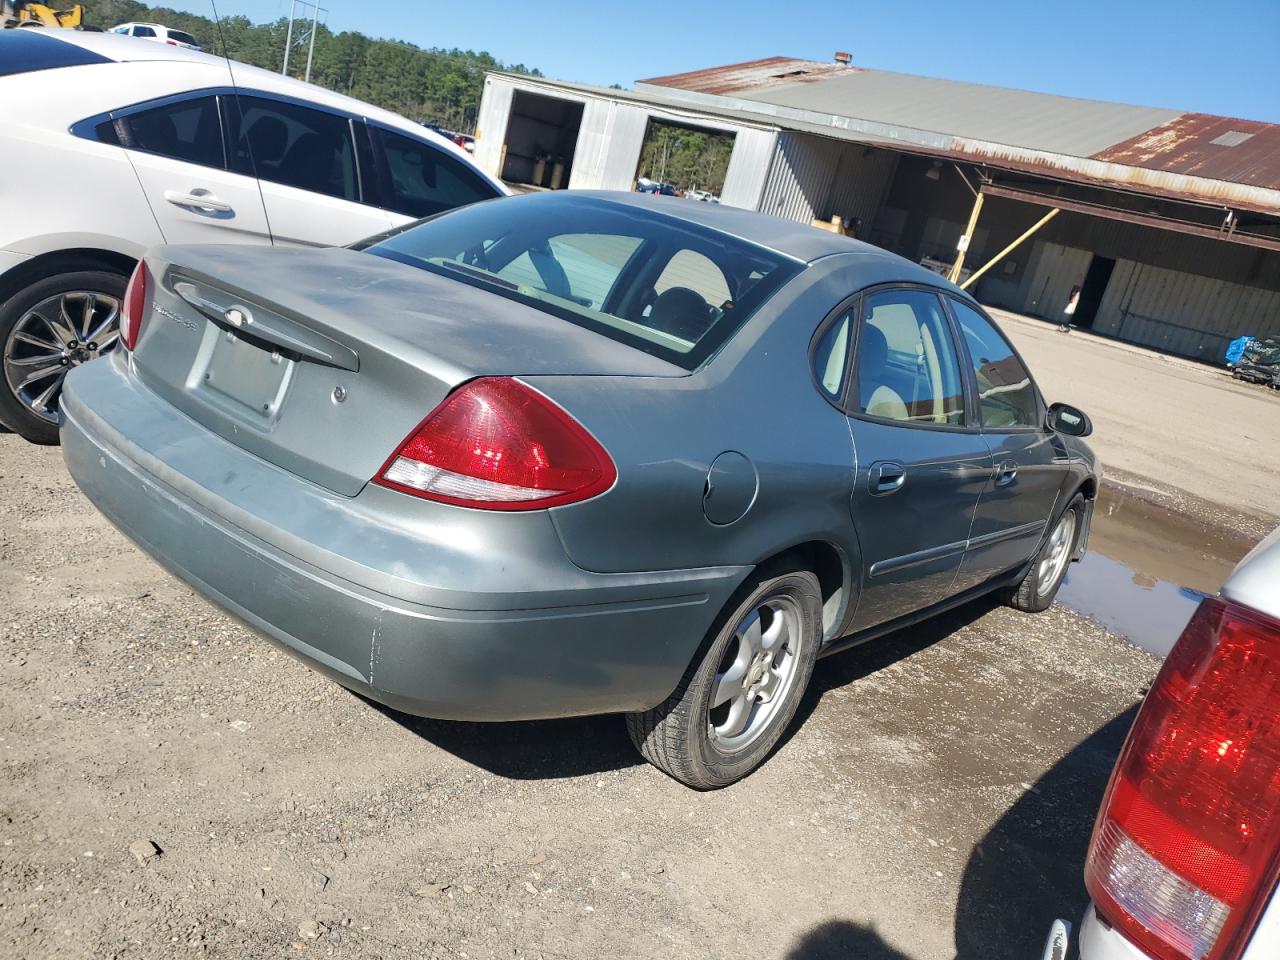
{"points": [[935, 801]]}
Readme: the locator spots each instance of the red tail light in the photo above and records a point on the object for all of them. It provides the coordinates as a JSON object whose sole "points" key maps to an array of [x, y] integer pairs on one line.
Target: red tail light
{"points": [[499, 445], [135, 299], [1186, 850]]}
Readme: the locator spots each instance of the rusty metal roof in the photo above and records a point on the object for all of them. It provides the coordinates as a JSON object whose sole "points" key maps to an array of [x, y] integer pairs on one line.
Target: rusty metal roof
{"points": [[1202, 145], [751, 75], [1162, 151]]}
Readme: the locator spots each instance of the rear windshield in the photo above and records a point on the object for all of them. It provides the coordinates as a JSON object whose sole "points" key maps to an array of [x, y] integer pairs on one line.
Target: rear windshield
{"points": [[31, 48], [657, 283]]}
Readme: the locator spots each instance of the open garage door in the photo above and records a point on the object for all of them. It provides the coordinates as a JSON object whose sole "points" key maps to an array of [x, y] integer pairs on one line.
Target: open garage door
{"points": [[542, 133]]}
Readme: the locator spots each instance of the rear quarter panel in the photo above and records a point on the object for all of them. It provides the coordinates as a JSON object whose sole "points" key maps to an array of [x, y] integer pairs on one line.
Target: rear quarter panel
{"points": [[756, 397]]}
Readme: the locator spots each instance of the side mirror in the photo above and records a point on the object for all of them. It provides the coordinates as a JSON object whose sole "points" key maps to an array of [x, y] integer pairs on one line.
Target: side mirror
{"points": [[1064, 418]]}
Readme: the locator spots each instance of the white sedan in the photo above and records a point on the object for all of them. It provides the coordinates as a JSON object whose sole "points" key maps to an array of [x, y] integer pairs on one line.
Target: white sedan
{"points": [[135, 144], [158, 32]]}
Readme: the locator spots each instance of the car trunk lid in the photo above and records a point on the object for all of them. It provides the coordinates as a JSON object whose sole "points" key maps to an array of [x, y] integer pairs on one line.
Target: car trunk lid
{"points": [[322, 361]]}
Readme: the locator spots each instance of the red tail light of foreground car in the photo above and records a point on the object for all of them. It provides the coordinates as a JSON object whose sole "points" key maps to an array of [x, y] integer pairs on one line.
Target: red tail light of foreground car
{"points": [[497, 444], [1186, 850], [135, 299]]}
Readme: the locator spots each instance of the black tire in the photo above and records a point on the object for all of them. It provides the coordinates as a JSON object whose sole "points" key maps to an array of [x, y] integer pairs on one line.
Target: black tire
{"points": [[15, 414], [1033, 596], [676, 736]]}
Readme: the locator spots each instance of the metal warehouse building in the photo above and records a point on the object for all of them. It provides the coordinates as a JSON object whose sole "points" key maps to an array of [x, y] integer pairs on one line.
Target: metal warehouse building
{"points": [[1160, 227]]}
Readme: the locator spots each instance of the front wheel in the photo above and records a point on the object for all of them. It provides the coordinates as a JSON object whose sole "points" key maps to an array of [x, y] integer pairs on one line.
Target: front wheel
{"points": [[1037, 589], [738, 698], [46, 329]]}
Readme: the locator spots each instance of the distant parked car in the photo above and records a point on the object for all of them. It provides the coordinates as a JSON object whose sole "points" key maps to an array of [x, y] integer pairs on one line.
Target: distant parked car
{"points": [[158, 32], [135, 144], [1185, 855], [567, 453], [655, 187], [701, 195]]}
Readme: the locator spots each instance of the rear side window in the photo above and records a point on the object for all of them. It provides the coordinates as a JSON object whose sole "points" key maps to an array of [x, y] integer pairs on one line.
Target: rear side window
{"points": [[424, 180], [296, 146], [183, 37], [831, 356], [189, 130], [907, 365], [597, 264], [23, 51], [1005, 391], [143, 32]]}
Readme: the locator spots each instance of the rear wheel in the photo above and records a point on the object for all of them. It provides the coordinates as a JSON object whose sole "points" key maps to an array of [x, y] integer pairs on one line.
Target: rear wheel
{"points": [[46, 329], [1049, 567], [739, 696]]}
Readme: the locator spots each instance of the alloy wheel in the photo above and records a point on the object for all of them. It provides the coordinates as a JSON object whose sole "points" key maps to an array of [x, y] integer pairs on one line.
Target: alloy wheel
{"points": [[58, 333], [756, 672], [1057, 554]]}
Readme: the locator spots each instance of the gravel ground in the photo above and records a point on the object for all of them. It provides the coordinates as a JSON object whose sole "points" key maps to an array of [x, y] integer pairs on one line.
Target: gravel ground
{"points": [[1181, 425], [172, 785]]}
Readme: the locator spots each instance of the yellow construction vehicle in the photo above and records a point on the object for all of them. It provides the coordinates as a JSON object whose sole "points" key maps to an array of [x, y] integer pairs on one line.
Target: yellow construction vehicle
{"points": [[25, 13]]}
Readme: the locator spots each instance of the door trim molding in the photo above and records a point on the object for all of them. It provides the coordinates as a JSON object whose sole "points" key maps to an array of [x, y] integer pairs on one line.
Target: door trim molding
{"points": [[1009, 533], [893, 564]]}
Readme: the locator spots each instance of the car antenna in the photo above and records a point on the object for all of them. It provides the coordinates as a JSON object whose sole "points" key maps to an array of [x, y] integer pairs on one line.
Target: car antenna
{"points": [[253, 162]]}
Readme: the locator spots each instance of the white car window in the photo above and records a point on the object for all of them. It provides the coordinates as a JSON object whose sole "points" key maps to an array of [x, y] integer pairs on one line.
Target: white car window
{"points": [[296, 146]]}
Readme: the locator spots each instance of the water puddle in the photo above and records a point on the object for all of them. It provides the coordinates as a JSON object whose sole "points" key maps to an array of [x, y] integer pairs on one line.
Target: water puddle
{"points": [[1147, 569]]}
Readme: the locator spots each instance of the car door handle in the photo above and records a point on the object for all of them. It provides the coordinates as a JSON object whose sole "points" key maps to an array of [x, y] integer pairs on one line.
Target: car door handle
{"points": [[199, 199], [885, 477], [1006, 473]]}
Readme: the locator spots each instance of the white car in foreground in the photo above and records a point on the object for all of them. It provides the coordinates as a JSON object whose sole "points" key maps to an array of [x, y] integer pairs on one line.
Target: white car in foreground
{"points": [[123, 145], [1185, 857]]}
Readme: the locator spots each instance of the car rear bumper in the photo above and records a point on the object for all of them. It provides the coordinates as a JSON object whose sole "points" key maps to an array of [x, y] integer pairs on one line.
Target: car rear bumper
{"points": [[1101, 942], [455, 614]]}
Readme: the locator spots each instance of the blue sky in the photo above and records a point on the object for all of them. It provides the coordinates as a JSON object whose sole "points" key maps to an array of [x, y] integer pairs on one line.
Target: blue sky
{"points": [[1214, 57]]}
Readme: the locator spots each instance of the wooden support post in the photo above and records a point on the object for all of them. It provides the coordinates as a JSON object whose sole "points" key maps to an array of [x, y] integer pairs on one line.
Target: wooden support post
{"points": [[963, 246], [1010, 248]]}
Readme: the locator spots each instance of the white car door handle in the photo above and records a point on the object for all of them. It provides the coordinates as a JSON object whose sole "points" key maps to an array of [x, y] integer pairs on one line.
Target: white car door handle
{"points": [[199, 199]]}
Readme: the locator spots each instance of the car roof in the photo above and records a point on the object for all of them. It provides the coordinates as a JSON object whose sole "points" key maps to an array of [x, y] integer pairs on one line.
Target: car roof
{"points": [[122, 49], [797, 240]]}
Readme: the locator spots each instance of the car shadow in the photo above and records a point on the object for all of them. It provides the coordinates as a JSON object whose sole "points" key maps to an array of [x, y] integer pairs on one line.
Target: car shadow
{"points": [[532, 750], [1029, 867], [842, 940]]}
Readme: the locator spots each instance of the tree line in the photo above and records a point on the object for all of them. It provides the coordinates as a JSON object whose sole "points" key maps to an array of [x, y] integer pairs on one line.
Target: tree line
{"points": [[429, 85], [686, 158]]}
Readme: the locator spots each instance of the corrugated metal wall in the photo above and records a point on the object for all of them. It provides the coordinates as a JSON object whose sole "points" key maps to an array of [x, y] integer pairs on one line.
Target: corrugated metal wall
{"points": [[1049, 277], [1182, 313], [800, 177], [608, 146], [816, 177], [748, 167], [491, 123], [863, 176]]}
